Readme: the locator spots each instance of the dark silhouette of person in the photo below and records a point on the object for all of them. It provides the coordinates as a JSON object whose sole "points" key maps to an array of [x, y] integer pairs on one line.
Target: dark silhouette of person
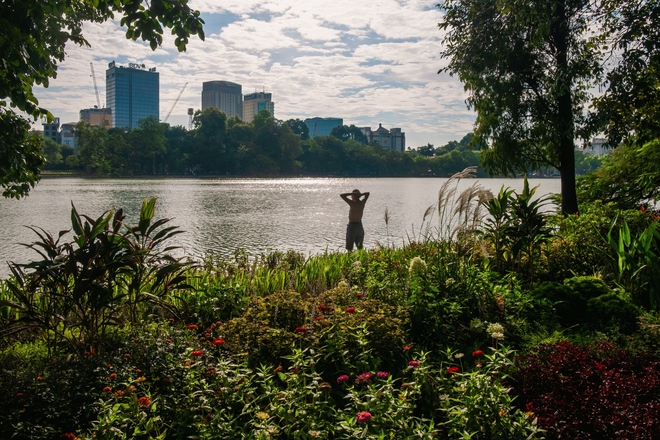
{"points": [[354, 230]]}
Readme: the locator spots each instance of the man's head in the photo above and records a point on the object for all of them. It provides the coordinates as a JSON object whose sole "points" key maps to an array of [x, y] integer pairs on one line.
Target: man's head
{"points": [[355, 194]]}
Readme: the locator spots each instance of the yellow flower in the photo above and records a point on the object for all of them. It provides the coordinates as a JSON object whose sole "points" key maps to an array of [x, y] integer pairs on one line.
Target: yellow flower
{"points": [[140, 379], [262, 415]]}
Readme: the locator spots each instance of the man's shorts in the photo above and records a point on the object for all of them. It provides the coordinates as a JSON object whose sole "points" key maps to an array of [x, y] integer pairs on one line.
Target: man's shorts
{"points": [[354, 235]]}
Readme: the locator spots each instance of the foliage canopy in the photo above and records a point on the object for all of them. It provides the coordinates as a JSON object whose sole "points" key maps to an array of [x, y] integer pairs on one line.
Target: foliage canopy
{"points": [[33, 37]]}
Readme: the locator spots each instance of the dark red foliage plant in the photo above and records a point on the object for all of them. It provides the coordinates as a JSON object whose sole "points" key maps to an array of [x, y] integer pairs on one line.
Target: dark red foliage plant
{"points": [[595, 392]]}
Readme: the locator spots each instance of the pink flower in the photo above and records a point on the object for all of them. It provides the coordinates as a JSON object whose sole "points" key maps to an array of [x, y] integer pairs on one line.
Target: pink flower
{"points": [[382, 375], [364, 378], [413, 364], [477, 353], [452, 370], [363, 416], [343, 378]]}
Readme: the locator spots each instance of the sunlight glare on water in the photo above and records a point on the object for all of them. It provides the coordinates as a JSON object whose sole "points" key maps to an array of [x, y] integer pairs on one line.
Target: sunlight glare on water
{"points": [[221, 215]]}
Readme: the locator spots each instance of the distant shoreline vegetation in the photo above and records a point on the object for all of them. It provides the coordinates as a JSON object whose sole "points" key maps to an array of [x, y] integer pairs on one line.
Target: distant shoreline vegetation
{"points": [[266, 147]]}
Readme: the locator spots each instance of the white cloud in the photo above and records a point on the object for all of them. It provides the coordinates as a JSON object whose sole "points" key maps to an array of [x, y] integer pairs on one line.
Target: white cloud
{"points": [[368, 62]]}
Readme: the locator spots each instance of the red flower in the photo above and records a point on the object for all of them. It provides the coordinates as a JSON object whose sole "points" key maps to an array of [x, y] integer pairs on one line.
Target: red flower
{"points": [[358, 295], [364, 378], [350, 310], [407, 347], [318, 318], [107, 389], [137, 370], [69, 436], [144, 401], [322, 308], [219, 341], [477, 353], [197, 353], [363, 416], [39, 378], [112, 376], [452, 370], [413, 364], [301, 329], [191, 327]]}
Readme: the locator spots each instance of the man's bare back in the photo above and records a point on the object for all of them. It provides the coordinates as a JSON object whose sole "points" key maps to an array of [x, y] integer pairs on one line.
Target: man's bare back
{"points": [[354, 231]]}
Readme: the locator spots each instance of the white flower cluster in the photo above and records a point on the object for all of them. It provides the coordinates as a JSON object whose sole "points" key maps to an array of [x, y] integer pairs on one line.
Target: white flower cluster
{"points": [[496, 330], [417, 266]]}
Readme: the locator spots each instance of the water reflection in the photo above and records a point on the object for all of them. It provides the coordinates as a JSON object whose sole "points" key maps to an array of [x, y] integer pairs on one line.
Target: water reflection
{"points": [[221, 215]]}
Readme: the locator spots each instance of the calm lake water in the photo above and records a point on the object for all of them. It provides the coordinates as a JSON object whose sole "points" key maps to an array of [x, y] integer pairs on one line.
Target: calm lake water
{"points": [[221, 215]]}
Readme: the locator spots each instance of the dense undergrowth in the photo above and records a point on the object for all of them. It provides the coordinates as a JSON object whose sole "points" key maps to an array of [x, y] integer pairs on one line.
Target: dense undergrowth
{"points": [[497, 321]]}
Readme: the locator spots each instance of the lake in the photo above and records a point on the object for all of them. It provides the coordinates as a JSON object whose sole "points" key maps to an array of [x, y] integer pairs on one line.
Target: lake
{"points": [[221, 215]]}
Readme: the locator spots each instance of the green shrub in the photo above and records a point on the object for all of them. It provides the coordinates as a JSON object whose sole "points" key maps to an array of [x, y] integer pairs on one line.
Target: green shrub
{"points": [[611, 309], [569, 307], [351, 328], [588, 287]]}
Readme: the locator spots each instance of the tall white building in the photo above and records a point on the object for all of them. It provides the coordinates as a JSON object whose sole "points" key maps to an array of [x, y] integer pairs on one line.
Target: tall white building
{"points": [[223, 95]]}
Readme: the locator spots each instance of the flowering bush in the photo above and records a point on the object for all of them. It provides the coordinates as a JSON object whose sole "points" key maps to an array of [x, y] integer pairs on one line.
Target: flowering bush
{"points": [[590, 392]]}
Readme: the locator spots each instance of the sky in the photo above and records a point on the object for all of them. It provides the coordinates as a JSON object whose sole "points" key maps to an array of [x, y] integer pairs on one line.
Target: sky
{"points": [[369, 62]]}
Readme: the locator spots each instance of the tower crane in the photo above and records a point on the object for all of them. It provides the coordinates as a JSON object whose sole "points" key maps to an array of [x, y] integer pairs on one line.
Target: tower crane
{"points": [[175, 102], [103, 122], [96, 89]]}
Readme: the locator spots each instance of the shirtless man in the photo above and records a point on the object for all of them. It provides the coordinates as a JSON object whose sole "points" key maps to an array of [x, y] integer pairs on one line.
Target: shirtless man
{"points": [[354, 230]]}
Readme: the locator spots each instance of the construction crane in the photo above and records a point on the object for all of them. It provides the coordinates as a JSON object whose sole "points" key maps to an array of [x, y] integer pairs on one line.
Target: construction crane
{"points": [[175, 102], [103, 122], [96, 89]]}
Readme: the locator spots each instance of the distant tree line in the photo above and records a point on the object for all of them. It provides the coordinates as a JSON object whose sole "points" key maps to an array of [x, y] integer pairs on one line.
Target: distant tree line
{"points": [[218, 146]]}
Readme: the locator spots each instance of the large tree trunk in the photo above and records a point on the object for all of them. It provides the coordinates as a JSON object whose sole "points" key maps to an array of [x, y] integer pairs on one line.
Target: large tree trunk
{"points": [[569, 204], [565, 124]]}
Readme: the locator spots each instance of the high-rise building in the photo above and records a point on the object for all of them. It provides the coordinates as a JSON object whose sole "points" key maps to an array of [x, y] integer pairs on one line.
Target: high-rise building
{"points": [[97, 117], [256, 102], [223, 95], [132, 94], [392, 139], [322, 126], [52, 130]]}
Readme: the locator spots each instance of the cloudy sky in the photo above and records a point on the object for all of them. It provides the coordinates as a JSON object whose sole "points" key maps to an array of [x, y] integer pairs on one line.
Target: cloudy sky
{"points": [[367, 62]]}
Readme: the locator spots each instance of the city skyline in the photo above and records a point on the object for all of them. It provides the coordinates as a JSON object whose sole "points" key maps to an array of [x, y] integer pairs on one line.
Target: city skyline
{"points": [[367, 63]]}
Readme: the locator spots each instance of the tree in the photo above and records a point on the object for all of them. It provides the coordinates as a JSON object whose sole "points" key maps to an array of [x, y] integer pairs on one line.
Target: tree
{"points": [[629, 176], [299, 127], [527, 67], [630, 106], [19, 167], [210, 133], [92, 148], [344, 132], [148, 144], [33, 36], [426, 150], [52, 152]]}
